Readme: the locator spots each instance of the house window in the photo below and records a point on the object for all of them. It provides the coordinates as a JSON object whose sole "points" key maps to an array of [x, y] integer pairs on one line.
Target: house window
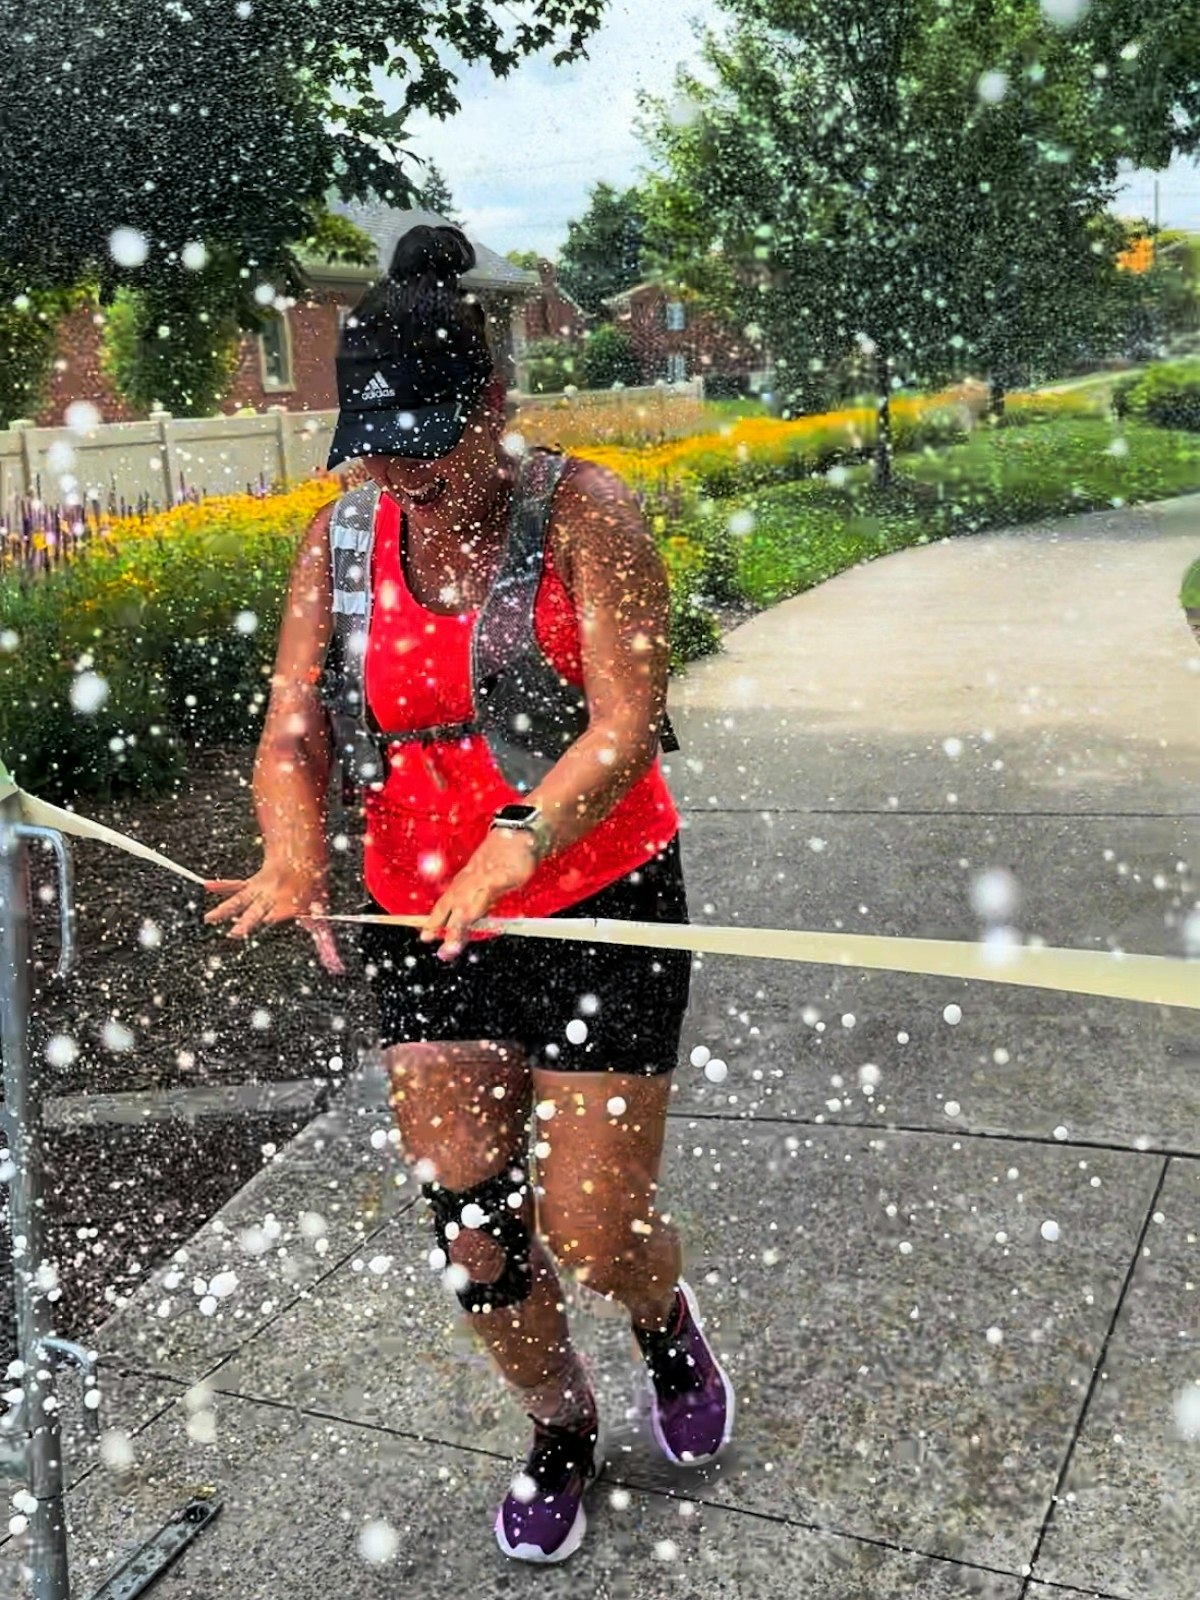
{"points": [[676, 317], [275, 352], [677, 367]]}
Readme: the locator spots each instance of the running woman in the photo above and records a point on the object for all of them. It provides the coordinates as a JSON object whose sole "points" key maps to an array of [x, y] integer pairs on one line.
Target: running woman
{"points": [[483, 636]]}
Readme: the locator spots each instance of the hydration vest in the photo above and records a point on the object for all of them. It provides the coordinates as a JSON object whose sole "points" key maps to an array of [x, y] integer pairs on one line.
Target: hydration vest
{"points": [[525, 709]]}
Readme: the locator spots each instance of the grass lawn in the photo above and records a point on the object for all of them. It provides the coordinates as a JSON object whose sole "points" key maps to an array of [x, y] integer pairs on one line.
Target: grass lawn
{"points": [[804, 533], [734, 410]]}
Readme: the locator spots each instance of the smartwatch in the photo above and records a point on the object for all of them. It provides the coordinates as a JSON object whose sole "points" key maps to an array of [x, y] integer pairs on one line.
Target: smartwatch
{"points": [[525, 819]]}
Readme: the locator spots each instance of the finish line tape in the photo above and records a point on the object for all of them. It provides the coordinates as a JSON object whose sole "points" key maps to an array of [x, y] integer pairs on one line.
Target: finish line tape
{"points": [[1113, 975]]}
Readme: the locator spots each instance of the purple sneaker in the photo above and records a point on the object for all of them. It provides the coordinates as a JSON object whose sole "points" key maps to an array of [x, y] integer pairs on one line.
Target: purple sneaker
{"points": [[693, 1400], [542, 1518]]}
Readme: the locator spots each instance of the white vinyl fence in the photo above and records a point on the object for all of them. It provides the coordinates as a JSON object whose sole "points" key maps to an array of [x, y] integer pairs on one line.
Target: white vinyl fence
{"points": [[156, 463], [59, 485]]}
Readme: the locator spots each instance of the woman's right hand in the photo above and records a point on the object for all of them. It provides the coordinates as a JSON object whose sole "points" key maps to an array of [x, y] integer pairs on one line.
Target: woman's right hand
{"points": [[279, 891]]}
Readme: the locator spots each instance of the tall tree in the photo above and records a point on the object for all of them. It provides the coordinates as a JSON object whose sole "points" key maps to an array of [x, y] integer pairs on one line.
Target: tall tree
{"points": [[603, 252], [1140, 60], [435, 193], [884, 177], [223, 124]]}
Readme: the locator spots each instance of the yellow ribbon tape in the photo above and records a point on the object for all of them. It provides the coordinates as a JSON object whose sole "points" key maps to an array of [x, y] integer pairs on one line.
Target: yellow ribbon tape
{"points": [[1115, 975], [43, 815], [1155, 980]]}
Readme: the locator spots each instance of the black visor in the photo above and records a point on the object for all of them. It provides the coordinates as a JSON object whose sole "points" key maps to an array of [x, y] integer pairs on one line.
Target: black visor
{"points": [[404, 404]]}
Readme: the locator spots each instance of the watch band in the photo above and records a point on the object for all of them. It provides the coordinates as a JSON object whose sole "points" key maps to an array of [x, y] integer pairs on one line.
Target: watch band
{"points": [[538, 829]]}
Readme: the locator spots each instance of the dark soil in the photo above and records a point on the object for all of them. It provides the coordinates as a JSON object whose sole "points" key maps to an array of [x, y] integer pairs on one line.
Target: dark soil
{"points": [[194, 1001], [121, 1199]]}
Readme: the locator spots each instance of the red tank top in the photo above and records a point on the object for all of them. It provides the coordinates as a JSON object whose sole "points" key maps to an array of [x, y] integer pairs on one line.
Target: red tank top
{"points": [[439, 798]]}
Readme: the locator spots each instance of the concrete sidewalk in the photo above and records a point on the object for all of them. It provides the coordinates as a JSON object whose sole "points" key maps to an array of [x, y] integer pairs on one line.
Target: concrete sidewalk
{"points": [[960, 1312]]}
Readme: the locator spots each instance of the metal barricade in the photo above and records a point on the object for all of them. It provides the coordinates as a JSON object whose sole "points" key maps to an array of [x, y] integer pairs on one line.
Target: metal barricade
{"points": [[30, 1433]]}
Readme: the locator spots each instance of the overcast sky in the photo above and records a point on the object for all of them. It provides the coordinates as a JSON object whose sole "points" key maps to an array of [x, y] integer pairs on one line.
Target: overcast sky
{"points": [[524, 151]]}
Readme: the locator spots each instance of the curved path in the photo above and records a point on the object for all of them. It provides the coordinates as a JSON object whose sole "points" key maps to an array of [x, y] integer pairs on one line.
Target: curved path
{"points": [[1060, 646]]}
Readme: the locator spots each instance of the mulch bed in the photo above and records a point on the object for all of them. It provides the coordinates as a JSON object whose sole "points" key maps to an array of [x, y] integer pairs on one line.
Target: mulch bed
{"points": [[201, 1008], [120, 1200]]}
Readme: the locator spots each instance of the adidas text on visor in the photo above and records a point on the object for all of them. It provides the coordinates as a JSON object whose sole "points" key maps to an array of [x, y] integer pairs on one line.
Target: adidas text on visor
{"points": [[405, 407]]}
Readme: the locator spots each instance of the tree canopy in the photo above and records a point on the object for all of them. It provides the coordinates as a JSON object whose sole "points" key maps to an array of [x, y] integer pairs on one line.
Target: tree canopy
{"points": [[603, 251], [435, 193], [223, 123], [918, 179]]}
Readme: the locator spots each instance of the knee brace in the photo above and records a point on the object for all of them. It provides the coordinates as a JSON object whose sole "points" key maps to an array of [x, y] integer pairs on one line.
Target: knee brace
{"points": [[494, 1208]]}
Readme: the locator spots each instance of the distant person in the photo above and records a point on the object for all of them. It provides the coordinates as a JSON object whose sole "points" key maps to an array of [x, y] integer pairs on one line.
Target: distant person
{"points": [[489, 645]]}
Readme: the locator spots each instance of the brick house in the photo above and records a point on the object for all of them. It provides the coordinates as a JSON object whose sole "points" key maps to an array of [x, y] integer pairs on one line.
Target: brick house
{"points": [[550, 312], [291, 363], [675, 339]]}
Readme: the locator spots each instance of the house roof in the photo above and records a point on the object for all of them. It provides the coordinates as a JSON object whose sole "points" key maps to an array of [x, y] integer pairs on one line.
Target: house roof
{"points": [[385, 224], [636, 288]]}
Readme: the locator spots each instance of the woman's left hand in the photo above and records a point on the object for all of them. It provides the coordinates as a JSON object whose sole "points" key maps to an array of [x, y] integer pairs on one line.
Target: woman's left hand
{"points": [[506, 860]]}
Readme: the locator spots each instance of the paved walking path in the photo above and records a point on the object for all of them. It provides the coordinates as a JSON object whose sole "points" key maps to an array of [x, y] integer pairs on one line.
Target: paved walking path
{"points": [[961, 1312]]}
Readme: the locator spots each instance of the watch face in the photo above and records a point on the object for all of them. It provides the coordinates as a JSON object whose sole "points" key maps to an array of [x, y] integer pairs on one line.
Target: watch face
{"points": [[516, 813]]}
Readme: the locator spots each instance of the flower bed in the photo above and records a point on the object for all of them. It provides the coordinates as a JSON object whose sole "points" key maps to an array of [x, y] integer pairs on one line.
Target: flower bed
{"points": [[165, 628]]}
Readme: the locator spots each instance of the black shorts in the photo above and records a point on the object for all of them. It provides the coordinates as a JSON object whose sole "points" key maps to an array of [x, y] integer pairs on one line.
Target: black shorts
{"points": [[629, 999]]}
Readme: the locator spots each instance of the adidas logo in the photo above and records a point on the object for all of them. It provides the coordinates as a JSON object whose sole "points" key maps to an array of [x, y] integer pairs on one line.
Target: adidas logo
{"points": [[379, 389]]}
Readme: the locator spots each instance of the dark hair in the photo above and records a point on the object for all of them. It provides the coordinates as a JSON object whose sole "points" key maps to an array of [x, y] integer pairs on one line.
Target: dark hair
{"points": [[420, 294]]}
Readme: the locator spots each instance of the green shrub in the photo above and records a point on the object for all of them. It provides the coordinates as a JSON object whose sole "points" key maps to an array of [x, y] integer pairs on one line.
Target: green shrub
{"points": [[609, 358], [1122, 391], [171, 351], [725, 386], [1168, 395], [552, 366], [1189, 594], [166, 623]]}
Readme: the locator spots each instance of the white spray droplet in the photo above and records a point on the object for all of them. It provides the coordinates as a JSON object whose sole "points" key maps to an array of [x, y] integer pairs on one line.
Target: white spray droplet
{"points": [[715, 1070], [992, 87], [1050, 1231], [128, 247], [994, 895], [62, 1050], [202, 1427], [312, 1225], [953, 1015], [1187, 1413], [117, 1037], [378, 1542], [1063, 13], [81, 416], [116, 1450], [89, 691]]}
